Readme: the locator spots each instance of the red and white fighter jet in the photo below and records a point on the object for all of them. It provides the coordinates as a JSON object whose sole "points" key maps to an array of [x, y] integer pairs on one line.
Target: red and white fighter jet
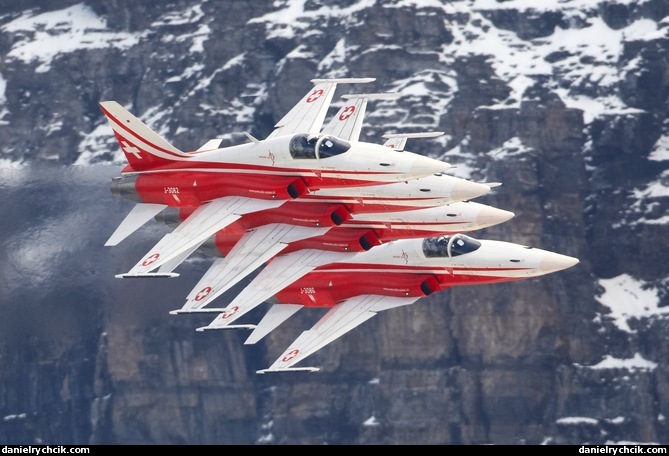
{"points": [[226, 183], [391, 275], [245, 251]]}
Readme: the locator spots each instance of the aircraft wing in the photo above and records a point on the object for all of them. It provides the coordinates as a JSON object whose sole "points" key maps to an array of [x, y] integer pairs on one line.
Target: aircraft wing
{"points": [[347, 123], [204, 222], [342, 318], [277, 275], [308, 115], [250, 252]]}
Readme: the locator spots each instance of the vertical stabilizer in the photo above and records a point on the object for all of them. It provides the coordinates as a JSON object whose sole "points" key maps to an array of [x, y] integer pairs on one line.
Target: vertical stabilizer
{"points": [[143, 147]]}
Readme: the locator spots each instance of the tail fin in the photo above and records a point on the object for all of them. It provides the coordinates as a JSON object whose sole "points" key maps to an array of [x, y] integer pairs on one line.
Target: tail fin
{"points": [[144, 148]]}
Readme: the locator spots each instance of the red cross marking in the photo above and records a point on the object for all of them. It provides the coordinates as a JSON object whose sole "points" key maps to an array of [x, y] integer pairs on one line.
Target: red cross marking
{"points": [[229, 313], [203, 293], [290, 355], [315, 95], [150, 260], [346, 113]]}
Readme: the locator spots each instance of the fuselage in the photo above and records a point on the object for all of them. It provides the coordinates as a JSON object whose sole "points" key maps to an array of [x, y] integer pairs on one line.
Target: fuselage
{"points": [[328, 207], [367, 216], [363, 231], [420, 267], [429, 191], [271, 169]]}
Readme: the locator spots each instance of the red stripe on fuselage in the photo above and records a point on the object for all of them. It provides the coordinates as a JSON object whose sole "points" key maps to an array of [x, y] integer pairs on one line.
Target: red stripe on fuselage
{"points": [[220, 166], [184, 189], [243, 171], [324, 289]]}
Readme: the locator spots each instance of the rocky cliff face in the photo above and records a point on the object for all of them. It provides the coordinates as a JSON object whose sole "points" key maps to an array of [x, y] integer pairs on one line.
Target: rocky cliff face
{"points": [[564, 105]]}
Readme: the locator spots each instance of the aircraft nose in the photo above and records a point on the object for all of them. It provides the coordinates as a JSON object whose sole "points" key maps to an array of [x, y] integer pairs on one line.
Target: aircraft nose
{"points": [[424, 166], [552, 262], [466, 190], [490, 216]]}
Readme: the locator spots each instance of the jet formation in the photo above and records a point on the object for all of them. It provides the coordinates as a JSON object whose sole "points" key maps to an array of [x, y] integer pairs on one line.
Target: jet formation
{"points": [[316, 217]]}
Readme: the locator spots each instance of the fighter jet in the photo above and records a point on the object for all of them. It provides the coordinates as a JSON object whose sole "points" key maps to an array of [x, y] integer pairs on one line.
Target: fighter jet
{"points": [[358, 286], [222, 184]]}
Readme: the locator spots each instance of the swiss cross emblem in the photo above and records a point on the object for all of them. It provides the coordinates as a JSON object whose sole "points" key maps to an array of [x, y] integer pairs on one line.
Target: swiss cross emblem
{"points": [[346, 113], [229, 313], [315, 95], [290, 355], [203, 293], [130, 149], [150, 260]]}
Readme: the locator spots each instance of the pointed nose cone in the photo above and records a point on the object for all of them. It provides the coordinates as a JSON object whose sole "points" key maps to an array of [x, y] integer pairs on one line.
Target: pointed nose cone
{"points": [[424, 166], [465, 190], [490, 216], [553, 262]]}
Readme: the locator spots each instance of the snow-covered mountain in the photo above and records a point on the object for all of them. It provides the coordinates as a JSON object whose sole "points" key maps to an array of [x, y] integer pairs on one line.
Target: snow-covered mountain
{"points": [[565, 102]]}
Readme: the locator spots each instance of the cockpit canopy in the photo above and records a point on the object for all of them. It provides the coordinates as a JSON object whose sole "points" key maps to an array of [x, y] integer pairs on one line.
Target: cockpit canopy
{"points": [[304, 146], [449, 246]]}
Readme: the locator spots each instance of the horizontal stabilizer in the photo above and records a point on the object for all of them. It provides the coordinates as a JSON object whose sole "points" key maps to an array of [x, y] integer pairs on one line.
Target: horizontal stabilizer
{"points": [[491, 184], [136, 218], [276, 315], [170, 265], [290, 369], [153, 275], [397, 141]]}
